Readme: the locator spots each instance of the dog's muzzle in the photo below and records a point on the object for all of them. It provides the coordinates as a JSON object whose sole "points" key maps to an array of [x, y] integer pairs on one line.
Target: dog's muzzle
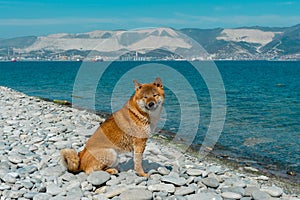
{"points": [[151, 106]]}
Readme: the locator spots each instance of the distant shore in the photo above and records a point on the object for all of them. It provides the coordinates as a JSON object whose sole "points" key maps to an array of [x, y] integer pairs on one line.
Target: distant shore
{"points": [[33, 132], [157, 60]]}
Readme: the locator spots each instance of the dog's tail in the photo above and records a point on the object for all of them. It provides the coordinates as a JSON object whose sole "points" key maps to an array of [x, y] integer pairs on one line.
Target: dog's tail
{"points": [[70, 160]]}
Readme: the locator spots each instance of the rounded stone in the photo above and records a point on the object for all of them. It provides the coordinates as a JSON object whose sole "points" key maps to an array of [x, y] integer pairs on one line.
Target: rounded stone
{"points": [[231, 195], [194, 172], [27, 184], [174, 179], [210, 182], [53, 189], [205, 195], [98, 178], [182, 191], [274, 191], [9, 178], [42, 196], [163, 171], [137, 194], [162, 187], [260, 195]]}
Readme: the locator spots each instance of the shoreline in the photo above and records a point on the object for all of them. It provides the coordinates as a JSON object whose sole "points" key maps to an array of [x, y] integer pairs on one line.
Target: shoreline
{"points": [[229, 158], [33, 132]]}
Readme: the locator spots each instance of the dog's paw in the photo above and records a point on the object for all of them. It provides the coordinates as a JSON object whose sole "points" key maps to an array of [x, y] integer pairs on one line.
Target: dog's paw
{"points": [[112, 171], [144, 174]]}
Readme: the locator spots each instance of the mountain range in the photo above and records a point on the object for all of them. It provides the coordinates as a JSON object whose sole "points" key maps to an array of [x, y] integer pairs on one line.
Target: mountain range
{"points": [[242, 43]]}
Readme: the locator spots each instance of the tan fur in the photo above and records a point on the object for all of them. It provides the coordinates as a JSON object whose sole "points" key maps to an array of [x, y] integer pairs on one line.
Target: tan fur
{"points": [[125, 130]]}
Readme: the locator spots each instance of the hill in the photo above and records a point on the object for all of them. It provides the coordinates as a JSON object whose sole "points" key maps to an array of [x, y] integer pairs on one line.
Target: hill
{"points": [[160, 43]]}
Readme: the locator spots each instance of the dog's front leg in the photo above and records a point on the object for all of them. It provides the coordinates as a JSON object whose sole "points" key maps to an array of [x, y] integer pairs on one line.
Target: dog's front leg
{"points": [[139, 147]]}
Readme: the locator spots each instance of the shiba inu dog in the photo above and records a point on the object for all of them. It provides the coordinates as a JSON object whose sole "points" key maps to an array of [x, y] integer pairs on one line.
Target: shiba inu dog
{"points": [[126, 130]]}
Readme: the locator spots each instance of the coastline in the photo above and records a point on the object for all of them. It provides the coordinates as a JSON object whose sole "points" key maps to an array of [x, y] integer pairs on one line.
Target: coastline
{"points": [[33, 132]]}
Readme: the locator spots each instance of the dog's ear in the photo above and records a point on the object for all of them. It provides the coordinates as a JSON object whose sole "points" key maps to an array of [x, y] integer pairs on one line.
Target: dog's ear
{"points": [[137, 85], [158, 82]]}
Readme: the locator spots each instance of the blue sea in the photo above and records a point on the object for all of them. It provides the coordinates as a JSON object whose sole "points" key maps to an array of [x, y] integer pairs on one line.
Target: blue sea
{"points": [[262, 122]]}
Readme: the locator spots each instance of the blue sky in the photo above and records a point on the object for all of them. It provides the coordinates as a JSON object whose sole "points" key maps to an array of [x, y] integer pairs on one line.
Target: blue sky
{"points": [[32, 17]]}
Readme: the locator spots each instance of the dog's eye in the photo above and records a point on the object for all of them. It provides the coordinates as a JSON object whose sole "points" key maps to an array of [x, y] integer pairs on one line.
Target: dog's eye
{"points": [[145, 97], [155, 95]]}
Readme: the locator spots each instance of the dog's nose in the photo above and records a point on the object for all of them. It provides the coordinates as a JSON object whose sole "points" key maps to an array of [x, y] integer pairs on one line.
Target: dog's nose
{"points": [[151, 104]]}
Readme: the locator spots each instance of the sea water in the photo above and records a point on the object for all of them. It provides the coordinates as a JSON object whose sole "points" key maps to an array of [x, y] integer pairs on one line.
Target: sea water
{"points": [[262, 122]]}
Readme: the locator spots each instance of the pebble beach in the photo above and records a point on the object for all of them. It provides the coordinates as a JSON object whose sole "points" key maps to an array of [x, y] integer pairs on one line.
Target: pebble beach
{"points": [[33, 132]]}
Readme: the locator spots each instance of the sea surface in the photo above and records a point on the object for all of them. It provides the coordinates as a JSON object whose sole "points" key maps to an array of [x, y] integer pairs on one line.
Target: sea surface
{"points": [[262, 122]]}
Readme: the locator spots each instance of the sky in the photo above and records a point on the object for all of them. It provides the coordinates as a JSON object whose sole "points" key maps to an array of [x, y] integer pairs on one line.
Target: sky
{"points": [[43, 17]]}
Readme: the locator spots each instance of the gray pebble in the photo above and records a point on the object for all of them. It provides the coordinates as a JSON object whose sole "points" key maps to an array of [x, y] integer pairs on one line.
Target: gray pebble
{"points": [[115, 192], [260, 195], [238, 190], [205, 195], [274, 191], [210, 182], [27, 184], [30, 194], [42, 196], [98, 178], [184, 191], [174, 178], [9, 178], [4, 186], [194, 172], [68, 176], [74, 194], [53, 189], [53, 171], [170, 188], [86, 186], [249, 190], [163, 171], [137, 194], [231, 195]]}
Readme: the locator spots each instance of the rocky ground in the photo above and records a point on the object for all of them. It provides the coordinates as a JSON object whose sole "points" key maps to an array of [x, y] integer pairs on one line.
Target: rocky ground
{"points": [[33, 132]]}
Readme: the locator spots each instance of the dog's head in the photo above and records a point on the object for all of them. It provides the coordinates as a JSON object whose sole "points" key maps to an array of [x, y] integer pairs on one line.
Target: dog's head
{"points": [[149, 97]]}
